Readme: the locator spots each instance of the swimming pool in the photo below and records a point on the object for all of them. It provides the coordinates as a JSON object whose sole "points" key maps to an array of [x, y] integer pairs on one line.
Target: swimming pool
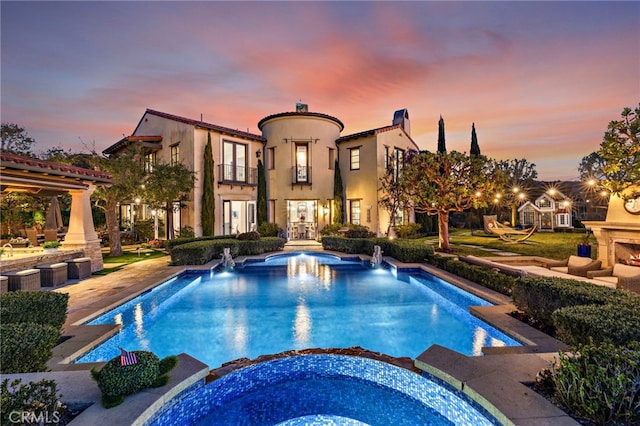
{"points": [[322, 390], [295, 302]]}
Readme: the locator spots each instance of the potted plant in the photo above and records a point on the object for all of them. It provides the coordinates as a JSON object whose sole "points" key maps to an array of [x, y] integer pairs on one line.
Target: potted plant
{"points": [[50, 246], [584, 246], [18, 242]]}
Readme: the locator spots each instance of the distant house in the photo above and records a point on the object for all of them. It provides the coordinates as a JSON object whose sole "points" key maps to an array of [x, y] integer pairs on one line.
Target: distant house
{"points": [[550, 211]]}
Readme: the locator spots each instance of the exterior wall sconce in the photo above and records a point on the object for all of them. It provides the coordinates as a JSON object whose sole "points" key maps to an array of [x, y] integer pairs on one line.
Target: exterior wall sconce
{"points": [[258, 153]]}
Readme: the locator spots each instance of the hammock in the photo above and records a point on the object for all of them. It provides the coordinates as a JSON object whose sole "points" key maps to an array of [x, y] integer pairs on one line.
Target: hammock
{"points": [[508, 234]]}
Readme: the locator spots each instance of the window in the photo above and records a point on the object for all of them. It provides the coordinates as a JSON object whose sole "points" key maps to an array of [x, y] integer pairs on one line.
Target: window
{"points": [[386, 157], [302, 162], [149, 161], [355, 211], [271, 158], [544, 202], [175, 154], [355, 158], [398, 155], [234, 158], [271, 214], [332, 158]]}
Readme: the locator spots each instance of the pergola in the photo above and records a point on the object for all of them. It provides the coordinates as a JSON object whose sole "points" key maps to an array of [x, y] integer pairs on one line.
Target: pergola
{"points": [[44, 178]]}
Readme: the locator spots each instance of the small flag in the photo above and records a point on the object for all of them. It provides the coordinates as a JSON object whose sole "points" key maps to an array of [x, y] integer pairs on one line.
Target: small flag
{"points": [[127, 358]]}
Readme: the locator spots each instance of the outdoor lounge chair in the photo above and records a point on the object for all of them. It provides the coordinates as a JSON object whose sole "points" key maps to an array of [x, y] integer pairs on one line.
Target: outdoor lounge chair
{"points": [[575, 265], [626, 277], [507, 233]]}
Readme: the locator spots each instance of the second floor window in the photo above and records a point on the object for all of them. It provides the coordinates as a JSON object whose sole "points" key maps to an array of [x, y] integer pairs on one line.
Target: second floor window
{"points": [[175, 154], [302, 162], [332, 158], [355, 158], [234, 157], [271, 158], [149, 162]]}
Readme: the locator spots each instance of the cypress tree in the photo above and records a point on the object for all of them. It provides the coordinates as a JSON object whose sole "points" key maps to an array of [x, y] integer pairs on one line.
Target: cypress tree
{"points": [[262, 194], [207, 215], [338, 203], [475, 148], [441, 144]]}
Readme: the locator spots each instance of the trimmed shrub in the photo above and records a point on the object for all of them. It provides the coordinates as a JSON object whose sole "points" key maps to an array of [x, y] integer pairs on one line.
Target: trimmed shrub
{"points": [[487, 277], [359, 231], [407, 251], [618, 324], [331, 229], [201, 252], [39, 399], [42, 307], [170, 244], [269, 229], [600, 383], [408, 230], [539, 297], [26, 347], [117, 381], [249, 236]]}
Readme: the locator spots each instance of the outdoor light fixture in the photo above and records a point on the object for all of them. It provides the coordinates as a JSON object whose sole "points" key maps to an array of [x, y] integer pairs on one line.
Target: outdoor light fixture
{"points": [[137, 200], [478, 194]]}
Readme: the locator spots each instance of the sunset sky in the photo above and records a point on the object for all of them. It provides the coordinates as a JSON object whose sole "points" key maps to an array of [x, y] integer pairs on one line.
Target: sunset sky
{"points": [[541, 80]]}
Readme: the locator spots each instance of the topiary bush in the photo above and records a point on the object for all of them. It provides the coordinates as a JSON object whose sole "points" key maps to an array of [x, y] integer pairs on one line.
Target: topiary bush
{"points": [[493, 280], [600, 383], [116, 381], [359, 231], [26, 347], [42, 307], [331, 229]]}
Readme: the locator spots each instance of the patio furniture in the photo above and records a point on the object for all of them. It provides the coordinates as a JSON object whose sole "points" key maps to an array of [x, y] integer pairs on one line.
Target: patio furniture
{"points": [[626, 277], [53, 274], [50, 235], [26, 280], [507, 233], [79, 268], [4, 284], [302, 231], [575, 265], [32, 235]]}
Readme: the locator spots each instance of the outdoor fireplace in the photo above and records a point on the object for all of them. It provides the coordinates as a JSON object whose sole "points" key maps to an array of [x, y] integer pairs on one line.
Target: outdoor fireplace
{"points": [[618, 236]]}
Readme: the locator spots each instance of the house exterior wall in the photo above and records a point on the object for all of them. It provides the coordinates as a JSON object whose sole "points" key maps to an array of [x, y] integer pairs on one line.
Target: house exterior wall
{"points": [[282, 133]]}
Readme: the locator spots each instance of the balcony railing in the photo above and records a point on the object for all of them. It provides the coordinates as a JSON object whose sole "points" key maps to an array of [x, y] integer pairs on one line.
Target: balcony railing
{"points": [[236, 175], [301, 175]]}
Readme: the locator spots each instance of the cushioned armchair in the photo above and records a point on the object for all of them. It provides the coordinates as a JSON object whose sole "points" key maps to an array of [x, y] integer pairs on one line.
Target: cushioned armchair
{"points": [[575, 265], [626, 277]]}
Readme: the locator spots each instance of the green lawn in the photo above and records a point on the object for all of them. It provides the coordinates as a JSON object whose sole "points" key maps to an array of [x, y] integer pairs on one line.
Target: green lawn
{"points": [[552, 245], [126, 258]]}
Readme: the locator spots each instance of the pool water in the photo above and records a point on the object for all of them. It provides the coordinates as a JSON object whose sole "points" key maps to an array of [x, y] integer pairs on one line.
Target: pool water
{"points": [[296, 302], [322, 390]]}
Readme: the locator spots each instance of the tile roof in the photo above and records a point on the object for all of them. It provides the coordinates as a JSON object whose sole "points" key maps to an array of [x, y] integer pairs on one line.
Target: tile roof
{"points": [[376, 131], [19, 162], [215, 127], [300, 114]]}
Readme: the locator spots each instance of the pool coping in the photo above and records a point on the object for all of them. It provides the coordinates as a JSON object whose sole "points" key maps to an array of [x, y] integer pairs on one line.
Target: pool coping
{"points": [[537, 343]]}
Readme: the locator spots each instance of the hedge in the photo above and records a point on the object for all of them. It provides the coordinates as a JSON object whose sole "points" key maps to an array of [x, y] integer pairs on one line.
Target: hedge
{"points": [[539, 297], [618, 324], [26, 347], [407, 251], [203, 251], [487, 277], [42, 307]]}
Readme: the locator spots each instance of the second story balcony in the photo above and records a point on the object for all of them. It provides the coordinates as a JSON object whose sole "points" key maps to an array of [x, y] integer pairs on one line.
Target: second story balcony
{"points": [[235, 175]]}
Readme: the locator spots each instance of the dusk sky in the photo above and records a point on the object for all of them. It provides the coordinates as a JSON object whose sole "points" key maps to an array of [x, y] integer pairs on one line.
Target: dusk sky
{"points": [[541, 80]]}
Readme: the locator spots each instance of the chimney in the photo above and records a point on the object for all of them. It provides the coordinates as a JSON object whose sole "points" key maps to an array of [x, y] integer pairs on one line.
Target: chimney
{"points": [[300, 107]]}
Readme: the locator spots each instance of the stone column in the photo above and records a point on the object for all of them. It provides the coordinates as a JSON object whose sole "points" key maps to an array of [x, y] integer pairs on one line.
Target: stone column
{"points": [[82, 233]]}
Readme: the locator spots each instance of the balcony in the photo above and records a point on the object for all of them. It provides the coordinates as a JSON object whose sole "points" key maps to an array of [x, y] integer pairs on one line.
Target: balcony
{"points": [[300, 175], [235, 175]]}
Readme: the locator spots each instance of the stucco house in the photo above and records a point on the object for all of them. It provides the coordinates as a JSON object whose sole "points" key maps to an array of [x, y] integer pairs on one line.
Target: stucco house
{"points": [[299, 150], [550, 211]]}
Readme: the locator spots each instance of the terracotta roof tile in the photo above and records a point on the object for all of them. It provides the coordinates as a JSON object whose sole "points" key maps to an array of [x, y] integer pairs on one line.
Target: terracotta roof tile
{"points": [[14, 161]]}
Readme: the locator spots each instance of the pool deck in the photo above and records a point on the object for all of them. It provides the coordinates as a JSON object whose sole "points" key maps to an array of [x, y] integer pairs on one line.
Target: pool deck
{"points": [[496, 380]]}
